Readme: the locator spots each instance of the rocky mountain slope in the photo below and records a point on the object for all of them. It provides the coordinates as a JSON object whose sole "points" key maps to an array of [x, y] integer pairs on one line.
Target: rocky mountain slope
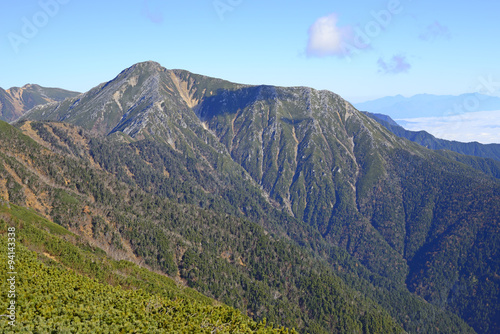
{"points": [[306, 165]]}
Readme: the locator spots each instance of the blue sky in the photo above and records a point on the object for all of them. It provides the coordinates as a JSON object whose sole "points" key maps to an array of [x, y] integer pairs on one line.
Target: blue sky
{"points": [[358, 49]]}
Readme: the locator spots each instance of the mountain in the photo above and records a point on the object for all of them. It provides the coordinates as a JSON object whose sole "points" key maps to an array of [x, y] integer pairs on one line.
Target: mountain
{"points": [[488, 151], [427, 105], [369, 213], [14, 102]]}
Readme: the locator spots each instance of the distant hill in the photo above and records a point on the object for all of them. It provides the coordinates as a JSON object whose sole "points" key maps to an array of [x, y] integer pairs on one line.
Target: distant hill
{"points": [[427, 105], [15, 101]]}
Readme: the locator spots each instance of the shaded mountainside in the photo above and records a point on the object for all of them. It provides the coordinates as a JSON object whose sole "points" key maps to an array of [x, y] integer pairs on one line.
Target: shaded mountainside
{"points": [[14, 102], [306, 166]]}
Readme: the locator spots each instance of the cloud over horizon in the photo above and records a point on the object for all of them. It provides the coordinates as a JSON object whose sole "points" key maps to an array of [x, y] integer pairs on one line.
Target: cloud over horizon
{"points": [[397, 64], [480, 126], [326, 38], [434, 31]]}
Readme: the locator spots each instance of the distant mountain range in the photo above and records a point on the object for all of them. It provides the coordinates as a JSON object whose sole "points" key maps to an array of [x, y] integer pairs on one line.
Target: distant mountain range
{"points": [[15, 101], [489, 151], [427, 105], [284, 202]]}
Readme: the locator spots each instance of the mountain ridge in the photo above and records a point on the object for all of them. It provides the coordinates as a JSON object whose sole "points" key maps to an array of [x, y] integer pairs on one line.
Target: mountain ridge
{"points": [[15, 101]]}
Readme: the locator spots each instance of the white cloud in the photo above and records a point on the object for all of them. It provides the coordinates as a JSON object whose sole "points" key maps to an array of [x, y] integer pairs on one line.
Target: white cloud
{"points": [[480, 126], [325, 38]]}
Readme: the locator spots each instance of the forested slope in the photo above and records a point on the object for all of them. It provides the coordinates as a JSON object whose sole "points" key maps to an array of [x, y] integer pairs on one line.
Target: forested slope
{"points": [[65, 285], [223, 256]]}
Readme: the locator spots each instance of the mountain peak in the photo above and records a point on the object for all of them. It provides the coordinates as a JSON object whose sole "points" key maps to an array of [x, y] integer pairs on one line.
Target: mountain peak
{"points": [[30, 86], [148, 65], [139, 101]]}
